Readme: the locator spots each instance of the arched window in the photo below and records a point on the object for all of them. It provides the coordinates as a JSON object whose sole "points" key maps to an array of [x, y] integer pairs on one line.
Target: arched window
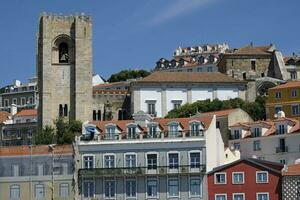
{"points": [[14, 192], [61, 110], [63, 53], [66, 110]]}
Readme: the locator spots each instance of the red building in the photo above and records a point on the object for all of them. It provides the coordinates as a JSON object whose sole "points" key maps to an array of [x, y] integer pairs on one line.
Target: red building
{"points": [[245, 179]]}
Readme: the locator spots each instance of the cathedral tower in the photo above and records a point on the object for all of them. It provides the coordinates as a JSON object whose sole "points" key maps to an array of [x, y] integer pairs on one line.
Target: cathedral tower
{"points": [[64, 68]]}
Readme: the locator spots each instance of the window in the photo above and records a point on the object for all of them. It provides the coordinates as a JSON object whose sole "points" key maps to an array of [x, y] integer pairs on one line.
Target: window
{"points": [[31, 88], [152, 187], [262, 196], [199, 69], [220, 197], [237, 177], [6, 102], [130, 160], [109, 161], [195, 186], [173, 187], [15, 170], [295, 109], [109, 188], [281, 129], [61, 112], [173, 160], [294, 93], [257, 132], [24, 89], [130, 186], [189, 70], [209, 69], [220, 178], [88, 189], [195, 129], [39, 191], [14, 192], [173, 130], [236, 146], [111, 133], [277, 95], [282, 148], [195, 158], [40, 168], [23, 101], [151, 108], [262, 177], [256, 145], [64, 190], [97, 115], [131, 132], [236, 134], [88, 162], [14, 101], [152, 161], [30, 99], [152, 131], [66, 110], [253, 65], [293, 75], [63, 53], [282, 161], [239, 196]]}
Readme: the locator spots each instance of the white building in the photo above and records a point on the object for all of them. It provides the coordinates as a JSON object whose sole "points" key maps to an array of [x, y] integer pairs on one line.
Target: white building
{"points": [[147, 158], [161, 92], [276, 140]]}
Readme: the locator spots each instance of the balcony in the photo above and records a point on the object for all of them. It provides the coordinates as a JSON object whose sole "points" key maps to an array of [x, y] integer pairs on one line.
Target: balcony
{"points": [[140, 171], [283, 149]]}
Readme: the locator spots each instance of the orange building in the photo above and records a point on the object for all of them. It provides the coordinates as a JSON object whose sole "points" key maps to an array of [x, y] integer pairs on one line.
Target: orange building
{"points": [[286, 98]]}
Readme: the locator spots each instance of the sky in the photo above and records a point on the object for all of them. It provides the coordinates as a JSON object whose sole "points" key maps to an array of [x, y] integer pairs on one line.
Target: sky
{"points": [[134, 34]]}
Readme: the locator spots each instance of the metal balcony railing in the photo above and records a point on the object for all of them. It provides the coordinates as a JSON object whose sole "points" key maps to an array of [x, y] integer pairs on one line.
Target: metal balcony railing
{"points": [[141, 171], [282, 149]]}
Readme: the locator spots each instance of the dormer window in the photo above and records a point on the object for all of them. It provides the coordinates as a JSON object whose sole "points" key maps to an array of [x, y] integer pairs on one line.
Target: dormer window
{"points": [[256, 132], [152, 131], [211, 59], [111, 133], [201, 60], [195, 129], [236, 134], [281, 129], [173, 129], [131, 132]]}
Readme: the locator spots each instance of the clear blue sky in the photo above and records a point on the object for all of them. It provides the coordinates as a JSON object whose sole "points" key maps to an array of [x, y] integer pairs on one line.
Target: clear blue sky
{"points": [[136, 33]]}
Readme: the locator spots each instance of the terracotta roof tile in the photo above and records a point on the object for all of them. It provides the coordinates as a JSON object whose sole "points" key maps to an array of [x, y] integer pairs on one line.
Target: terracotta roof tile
{"points": [[27, 112], [184, 77], [4, 116], [292, 170], [36, 150], [289, 84], [219, 113], [250, 50]]}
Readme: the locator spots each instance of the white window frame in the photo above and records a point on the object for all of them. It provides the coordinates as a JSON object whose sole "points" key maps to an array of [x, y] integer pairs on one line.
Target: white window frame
{"points": [[157, 187], [6, 102], [219, 194], [130, 178], [174, 169], [257, 172], [151, 171], [233, 173], [83, 188], [35, 187], [109, 154], [170, 178], [14, 187], [82, 160], [115, 185], [15, 170], [189, 161], [215, 178], [233, 194], [292, 111], [13, 100], [130, 153], [201, 186], [60, 191], [267, 193], [22, 98]]}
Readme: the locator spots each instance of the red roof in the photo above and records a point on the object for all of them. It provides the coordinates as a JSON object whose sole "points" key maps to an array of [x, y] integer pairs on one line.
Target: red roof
{"points": [[220, 112], [292, 170], [36, 150], [4, 116], [290, 84], [27, 112]]}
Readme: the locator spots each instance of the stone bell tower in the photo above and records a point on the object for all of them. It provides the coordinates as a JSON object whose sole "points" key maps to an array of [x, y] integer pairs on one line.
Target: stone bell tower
{"points": [[64, 68]]}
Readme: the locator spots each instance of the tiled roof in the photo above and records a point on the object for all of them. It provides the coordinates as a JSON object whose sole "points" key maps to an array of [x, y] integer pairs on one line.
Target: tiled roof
{"points": [[272, 166], [163, 123], [292, 170], [289, 84], [96, 91], [185, 77], [36, 150], [220, 112], [4, 116], [27, 112], [250, 50]]}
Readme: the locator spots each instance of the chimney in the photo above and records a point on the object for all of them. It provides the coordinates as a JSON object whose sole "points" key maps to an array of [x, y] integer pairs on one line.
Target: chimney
{"points": [[13, 109]]}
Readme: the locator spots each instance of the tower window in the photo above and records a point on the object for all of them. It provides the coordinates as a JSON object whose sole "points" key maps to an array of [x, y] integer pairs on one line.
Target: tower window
{"points": [[63, 53], [253, 65], [60, 110], [66, 110]]}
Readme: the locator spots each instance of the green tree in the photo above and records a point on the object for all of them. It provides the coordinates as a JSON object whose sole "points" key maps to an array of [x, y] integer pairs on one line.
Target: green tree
{"points": [[46, 136], [128, 74], [255, 109]]}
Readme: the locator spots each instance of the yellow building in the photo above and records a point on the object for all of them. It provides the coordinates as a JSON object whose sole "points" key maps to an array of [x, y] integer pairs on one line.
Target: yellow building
{"points": [[286, 98]]}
